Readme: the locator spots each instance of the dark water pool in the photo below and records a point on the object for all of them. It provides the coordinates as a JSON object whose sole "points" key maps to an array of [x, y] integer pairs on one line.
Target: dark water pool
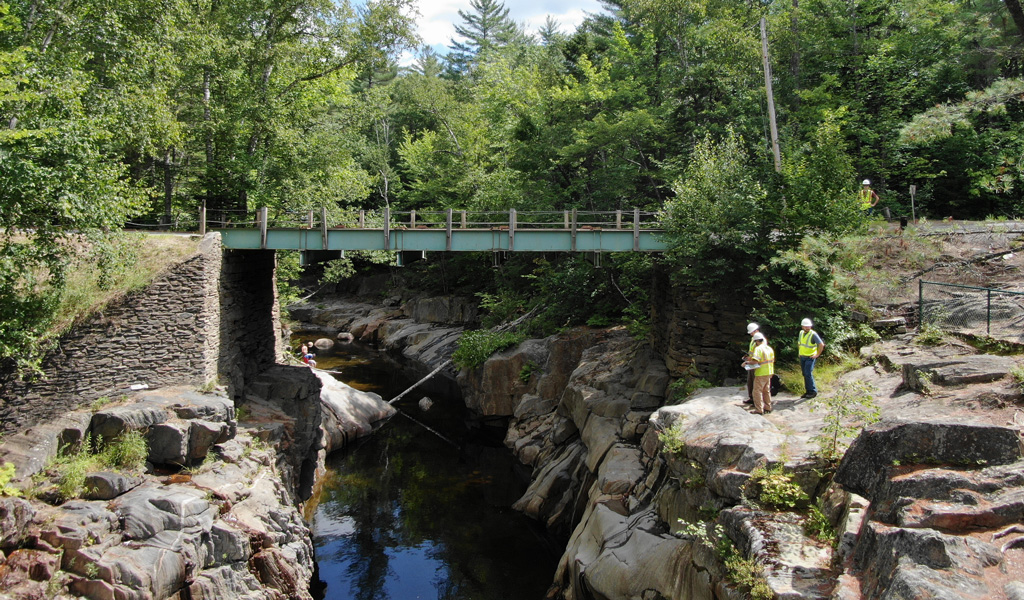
{"points": [[407, 515]]}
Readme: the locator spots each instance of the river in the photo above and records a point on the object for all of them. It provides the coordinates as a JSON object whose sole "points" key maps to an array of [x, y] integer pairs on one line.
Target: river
{"points": [[405, 514]]}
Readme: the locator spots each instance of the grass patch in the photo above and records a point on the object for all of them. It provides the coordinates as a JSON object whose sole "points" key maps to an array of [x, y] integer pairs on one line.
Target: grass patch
{"points": [[127, 453], [105, 270], [827, 371]]}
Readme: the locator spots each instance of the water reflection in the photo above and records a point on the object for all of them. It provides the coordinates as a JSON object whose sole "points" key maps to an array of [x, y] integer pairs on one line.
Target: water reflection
{"points": [[406, 515]]}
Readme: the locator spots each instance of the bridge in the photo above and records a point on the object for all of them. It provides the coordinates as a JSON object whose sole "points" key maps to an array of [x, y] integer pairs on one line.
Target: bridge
{"points": [[447, 231]]}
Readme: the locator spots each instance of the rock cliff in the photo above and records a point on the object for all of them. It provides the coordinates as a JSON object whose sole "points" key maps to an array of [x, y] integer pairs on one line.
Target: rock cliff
{"points": [[926, 504]]}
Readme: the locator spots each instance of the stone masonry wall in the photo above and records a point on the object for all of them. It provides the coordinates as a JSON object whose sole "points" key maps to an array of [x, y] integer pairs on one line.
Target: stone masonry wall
{"points": [[214, 311], [699, 332], [250, 339]]}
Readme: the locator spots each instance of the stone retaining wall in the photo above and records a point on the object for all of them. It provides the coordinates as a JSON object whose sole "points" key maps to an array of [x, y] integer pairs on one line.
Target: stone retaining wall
{"points": [[699, 332], [214, 310]]}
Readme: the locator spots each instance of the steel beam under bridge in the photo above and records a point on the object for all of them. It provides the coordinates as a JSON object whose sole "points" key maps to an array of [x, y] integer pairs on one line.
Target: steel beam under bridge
{"points": [[600, 232]]}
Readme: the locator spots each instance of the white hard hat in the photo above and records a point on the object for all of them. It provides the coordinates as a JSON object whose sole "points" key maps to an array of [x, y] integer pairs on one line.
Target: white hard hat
{"points": [[866, 182], [751, 328], [758, 336], [806, 323]]}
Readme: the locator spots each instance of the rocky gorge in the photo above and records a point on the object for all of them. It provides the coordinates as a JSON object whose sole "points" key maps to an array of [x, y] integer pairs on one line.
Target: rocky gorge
{"points": [[926, 503]]}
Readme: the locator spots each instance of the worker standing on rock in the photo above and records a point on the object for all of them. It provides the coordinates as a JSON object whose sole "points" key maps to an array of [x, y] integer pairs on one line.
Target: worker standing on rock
{"points": [[811, 346], [752, 328], [764, 357]]}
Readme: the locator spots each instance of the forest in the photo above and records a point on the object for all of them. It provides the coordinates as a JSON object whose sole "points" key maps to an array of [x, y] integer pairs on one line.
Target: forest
{"points": [[146, 110]]}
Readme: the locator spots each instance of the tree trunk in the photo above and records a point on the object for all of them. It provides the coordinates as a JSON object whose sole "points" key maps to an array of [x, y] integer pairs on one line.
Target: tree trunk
{"points": [[168, 186], [1017, 13]]}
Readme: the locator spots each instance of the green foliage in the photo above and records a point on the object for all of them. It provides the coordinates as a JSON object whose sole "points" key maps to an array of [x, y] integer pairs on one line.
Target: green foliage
{"points": [[746, 573], [775, 487], [1017, 373], [817, 526], [6, 475], [683, 387], [287, 273], [671, 439], [529, 368], [127, 452], [720, 220], [845, 412], [929, 334], [475, 347]]}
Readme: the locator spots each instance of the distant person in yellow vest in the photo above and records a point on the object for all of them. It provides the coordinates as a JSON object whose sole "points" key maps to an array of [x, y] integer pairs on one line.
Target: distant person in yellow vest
{"points": [[811, 346], [752, 328], [867, 198], [764, 357]]}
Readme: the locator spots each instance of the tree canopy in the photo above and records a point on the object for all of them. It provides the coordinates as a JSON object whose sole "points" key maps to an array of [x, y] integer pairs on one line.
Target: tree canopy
{"points": [[149, 109]]}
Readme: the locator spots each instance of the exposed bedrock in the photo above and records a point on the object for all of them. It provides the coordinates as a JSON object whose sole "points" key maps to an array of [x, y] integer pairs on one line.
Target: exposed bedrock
{"points": [[921, 508]]}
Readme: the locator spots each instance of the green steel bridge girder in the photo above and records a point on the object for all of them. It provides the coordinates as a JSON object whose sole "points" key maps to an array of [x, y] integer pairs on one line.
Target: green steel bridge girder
{"points": [[437, 240]]}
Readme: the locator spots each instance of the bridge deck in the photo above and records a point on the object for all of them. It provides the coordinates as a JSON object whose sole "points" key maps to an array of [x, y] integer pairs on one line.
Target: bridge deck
{"points": [[456, 234]]}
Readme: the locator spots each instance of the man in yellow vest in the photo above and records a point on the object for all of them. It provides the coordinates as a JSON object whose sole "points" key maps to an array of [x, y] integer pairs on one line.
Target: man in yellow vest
{"points": [[810, 346], [764, 357]]}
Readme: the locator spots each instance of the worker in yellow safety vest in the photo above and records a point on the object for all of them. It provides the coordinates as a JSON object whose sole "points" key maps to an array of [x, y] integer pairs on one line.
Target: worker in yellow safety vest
{"points": [[763, 361], [867, 198], [810, 347]]}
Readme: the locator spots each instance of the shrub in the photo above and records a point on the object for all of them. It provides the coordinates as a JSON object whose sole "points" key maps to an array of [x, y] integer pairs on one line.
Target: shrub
{"points": [[6, 475], [930, 335], [681, 389], [818, 526], [777, 488], [475, 347], [847, 411], [672, 439]]}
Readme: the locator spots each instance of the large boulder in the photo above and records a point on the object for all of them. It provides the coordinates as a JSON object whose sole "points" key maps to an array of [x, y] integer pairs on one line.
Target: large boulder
{"points": [[348, 413]]}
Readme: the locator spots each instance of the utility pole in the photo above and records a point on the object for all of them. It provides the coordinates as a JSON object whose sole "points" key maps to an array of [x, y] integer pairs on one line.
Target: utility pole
{"points": [[771, 96]]}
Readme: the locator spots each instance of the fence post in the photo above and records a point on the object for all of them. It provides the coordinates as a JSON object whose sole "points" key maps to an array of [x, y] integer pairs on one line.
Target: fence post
{"points": [[988, 316], [572, 231], [202, 219], [920, 304]]}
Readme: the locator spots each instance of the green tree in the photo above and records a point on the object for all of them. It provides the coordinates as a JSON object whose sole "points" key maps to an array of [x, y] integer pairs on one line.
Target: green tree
{"points": [[487, 27]]}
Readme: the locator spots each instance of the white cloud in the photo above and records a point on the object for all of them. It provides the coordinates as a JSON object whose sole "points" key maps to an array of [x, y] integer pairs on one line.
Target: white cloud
{"points": [[436, 25]]}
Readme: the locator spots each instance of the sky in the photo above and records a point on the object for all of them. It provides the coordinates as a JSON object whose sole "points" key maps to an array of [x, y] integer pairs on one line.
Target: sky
{"points": [[436, 24]]}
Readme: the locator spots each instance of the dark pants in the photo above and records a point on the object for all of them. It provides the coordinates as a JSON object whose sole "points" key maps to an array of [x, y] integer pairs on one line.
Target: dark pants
{"points": [[807, 368], [750, 385]]}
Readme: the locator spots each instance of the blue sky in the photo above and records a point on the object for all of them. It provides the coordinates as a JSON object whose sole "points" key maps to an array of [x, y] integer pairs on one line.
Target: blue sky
{"points": [[438, 17]]}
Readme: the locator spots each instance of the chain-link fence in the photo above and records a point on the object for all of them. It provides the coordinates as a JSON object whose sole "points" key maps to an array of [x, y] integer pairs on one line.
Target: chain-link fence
{"points": [[972, 310]]}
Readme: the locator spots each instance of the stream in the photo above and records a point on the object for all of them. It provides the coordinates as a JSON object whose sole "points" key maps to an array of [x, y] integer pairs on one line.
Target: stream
{"points": [[404, 514]]}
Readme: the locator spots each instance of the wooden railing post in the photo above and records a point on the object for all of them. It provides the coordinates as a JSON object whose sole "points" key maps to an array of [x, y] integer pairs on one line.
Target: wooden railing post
{"points": [[362, 219], [511, 229], [636, 229], [263, 228], [448, 229], [202, 219], [573, 231], [387, 228], [309, 220], [323, 227]]}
